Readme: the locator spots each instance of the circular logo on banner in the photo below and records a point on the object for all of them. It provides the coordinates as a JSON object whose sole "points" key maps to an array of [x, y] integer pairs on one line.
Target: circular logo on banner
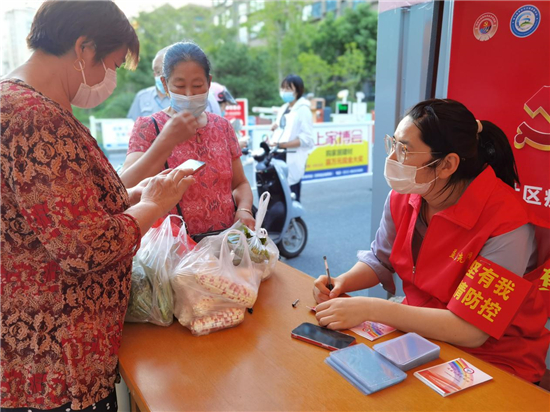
{"points": [[525, 21], [485, 26]]}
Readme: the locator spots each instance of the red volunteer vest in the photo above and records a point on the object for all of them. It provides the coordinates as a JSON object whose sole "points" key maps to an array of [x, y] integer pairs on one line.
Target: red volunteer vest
{"points": [[449, 273]]}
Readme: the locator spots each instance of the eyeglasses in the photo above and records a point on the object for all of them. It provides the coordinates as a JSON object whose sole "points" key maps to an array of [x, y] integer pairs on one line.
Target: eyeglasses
{"points": [[399, 148]]}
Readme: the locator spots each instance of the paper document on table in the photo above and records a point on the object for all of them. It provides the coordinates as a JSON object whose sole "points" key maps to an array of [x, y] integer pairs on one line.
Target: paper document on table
{"points": [[372, 330], [452, 376]]}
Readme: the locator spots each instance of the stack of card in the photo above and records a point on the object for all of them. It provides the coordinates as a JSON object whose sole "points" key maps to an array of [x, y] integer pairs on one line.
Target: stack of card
{"points": [[408, 351], [364, 368]]}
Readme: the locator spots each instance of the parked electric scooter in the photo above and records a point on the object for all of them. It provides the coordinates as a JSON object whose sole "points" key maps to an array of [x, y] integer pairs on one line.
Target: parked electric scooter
{"points": [[283, 220]]}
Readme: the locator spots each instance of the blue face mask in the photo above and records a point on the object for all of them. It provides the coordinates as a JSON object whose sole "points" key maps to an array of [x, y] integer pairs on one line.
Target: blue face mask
{"points": [[194, 104], [287, 96], [159, 85]]}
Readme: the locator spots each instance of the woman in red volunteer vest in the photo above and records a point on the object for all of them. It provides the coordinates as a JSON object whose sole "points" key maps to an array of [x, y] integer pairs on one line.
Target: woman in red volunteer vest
{"points": [[459, 237]]}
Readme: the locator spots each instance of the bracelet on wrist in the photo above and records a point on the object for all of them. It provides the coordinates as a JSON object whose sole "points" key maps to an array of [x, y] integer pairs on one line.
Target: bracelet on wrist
{"points": [[242, 209]]}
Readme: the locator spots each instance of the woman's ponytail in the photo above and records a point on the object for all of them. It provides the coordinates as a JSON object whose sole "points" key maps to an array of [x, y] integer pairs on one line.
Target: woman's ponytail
{"points": [[495, 150], [447, 126]]}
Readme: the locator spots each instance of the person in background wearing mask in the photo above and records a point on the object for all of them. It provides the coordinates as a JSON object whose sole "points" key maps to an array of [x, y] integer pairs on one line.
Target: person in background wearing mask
{"points": [[212, 104], [293, 130], [69, 226], [222, 194], [460, 238], [154, 98], [222, 96]]}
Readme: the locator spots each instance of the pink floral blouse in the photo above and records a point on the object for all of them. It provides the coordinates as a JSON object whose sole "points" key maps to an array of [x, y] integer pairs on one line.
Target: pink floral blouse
{"points": [[208, 204]]}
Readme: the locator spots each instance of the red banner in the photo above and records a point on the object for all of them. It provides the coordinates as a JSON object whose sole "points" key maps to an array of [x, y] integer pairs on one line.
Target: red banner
{"points": [[500, 69], [238, 111]]}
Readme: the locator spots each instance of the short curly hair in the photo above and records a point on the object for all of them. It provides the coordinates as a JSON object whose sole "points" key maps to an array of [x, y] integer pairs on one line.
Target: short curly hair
{"points": [[59, 23]]}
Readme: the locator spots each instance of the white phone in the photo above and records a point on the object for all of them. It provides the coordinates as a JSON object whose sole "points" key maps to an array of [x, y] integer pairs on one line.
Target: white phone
{"points": [[196, 165]]}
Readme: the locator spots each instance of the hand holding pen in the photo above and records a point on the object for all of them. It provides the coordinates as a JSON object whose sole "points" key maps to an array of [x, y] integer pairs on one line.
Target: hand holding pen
{"points": [[330, 286], [325, 286]]}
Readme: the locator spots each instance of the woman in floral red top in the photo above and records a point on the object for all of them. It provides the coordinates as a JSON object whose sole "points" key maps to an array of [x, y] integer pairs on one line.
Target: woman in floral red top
{"points": [[221, 185], [69, 228]]}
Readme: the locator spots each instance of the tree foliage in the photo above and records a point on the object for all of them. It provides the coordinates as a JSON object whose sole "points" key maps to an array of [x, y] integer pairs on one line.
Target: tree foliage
{"points": [[246, 73], [350, 67], [333, 40], [315, 71], [284, 32]]}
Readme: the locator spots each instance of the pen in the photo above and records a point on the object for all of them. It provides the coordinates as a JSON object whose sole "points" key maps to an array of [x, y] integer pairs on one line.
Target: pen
{"points": [[330, 286]]}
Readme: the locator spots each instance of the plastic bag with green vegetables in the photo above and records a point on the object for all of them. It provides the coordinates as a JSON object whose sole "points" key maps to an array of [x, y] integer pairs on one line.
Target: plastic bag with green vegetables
{"points": [[263, 251], [258, 252], [151, 295], [141, 295]]}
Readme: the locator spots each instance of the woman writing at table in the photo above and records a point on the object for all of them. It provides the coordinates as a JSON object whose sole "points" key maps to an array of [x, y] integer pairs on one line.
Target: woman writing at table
{"points": [[455, 232], [69, 226]]}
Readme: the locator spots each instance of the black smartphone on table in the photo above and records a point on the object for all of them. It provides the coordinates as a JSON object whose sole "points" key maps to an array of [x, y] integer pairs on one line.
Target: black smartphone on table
{"points": [[323, 337]]}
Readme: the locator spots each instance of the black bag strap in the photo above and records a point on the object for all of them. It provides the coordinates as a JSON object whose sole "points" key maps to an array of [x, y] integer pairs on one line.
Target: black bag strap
{"points": [[178, 207]]}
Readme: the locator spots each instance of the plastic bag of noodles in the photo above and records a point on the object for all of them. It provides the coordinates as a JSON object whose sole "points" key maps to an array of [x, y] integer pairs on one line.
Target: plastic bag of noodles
{"points": [[212, 291]]}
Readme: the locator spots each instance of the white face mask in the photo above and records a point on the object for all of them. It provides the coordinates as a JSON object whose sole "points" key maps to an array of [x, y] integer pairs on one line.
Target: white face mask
{"points": [[194, 104], [402, 178], [88, 97]]}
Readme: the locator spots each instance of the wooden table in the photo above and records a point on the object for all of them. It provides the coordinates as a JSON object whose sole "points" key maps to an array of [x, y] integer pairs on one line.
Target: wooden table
{"points": [[257, 366]]}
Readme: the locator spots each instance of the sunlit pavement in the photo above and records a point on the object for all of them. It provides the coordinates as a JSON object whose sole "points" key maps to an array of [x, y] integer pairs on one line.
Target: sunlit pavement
{"points": [[338, 217]]}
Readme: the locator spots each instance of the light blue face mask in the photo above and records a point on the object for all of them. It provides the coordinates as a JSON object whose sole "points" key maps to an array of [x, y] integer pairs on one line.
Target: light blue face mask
{"points": [[194, 104], [287, 96], [159, 85]]}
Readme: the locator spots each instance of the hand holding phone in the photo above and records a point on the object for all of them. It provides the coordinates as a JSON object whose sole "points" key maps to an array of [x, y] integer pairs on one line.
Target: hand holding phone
{"points": [[192, 164], [323, 337]]}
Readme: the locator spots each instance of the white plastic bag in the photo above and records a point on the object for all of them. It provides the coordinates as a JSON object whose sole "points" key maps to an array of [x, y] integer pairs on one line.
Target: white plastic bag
{"points": [[151, 295], [212, 287]]}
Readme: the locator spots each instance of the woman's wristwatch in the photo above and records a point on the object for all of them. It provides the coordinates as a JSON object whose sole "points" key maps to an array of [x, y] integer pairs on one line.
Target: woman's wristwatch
{"points": [[242, 209]]}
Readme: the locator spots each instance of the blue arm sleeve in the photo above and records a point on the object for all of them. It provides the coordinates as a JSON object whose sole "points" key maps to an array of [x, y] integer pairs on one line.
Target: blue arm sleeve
{"points": [[378, 257]]}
